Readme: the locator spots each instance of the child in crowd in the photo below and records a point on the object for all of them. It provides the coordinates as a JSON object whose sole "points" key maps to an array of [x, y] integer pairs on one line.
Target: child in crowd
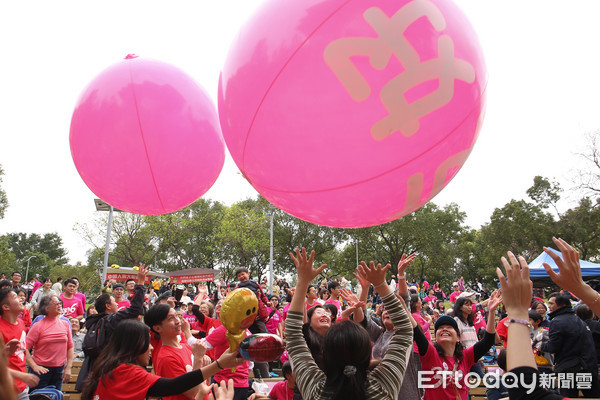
{"points": [[283, 390]]}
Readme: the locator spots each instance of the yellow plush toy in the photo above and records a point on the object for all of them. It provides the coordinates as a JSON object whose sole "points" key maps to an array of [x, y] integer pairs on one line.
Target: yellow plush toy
{"points": [[237, 314]]}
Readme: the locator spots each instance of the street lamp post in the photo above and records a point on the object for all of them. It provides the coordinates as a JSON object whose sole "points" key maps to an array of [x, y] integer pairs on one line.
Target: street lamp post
{"points": [[27, 271], [102, 206], [270, 288]]}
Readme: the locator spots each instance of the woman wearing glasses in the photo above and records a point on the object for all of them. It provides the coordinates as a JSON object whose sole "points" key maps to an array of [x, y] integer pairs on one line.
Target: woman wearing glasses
{"points": [[52, 345]]}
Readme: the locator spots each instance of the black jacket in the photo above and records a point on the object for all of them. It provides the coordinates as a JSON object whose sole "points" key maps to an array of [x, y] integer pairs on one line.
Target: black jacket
{"points": [[570, 337], [136, 308]]}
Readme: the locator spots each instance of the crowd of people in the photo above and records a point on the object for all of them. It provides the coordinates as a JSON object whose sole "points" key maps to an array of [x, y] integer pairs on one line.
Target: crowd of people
{"points": [[381, 339]]}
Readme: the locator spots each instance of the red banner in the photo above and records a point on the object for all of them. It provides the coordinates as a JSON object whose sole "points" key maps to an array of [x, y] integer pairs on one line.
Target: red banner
{"points": [[123, 276], [192, 278]]}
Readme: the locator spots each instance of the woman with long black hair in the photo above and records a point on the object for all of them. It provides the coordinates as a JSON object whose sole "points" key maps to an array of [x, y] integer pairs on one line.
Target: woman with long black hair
{"points": [[119, 372], [347, 345]]}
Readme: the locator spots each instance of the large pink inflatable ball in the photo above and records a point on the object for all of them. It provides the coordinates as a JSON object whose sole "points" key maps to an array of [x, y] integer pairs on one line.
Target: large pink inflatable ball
{"points": [[352, 113], [145, 137]]}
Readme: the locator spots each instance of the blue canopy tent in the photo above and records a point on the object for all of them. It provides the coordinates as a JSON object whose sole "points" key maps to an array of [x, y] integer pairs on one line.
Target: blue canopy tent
{"points": [[540, 278]]}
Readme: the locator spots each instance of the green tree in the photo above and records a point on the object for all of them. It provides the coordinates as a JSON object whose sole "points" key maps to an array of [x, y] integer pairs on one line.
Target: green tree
{"points": [[290, 232], [47, 249], [89, 279], [580, 226], [431, 232], [3, 197], [8, 260], [191, 242], [244, 239], [544, 193], [520, 227]]}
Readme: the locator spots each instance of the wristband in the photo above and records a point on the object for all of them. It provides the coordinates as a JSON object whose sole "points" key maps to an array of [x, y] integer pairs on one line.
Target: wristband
{"points": [[517, 321], [218, 365], [380, 284], [403, 276]]}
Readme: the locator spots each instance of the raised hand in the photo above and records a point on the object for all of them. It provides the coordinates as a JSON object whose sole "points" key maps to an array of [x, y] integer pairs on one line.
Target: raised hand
{"points": [[494, 300], [304, 265], [362, 281], [404, 261], [517, 288], [348, 296], [569, 276], [141, 275], [372, 273], [202, 290]]}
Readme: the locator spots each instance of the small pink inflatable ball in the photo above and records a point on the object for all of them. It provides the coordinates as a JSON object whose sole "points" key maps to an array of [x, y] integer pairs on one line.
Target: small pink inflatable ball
{"points": [[145, 137]]}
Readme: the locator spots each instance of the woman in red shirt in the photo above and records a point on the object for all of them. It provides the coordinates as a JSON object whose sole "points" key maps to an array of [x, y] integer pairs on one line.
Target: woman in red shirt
{"points": [[120, 370]]}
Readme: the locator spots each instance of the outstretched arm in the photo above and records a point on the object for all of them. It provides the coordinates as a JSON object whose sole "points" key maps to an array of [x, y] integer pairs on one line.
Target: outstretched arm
{"points": [[402, 264], [306, 273], [517, 290], [569, 275]]}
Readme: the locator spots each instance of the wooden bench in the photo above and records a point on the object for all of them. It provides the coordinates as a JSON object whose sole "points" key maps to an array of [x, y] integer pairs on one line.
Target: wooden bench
{"points": [[69, 388]]}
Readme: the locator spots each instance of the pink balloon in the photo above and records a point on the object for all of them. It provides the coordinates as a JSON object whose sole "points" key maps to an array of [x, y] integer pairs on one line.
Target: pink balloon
{"points": [[145, 137], [352, 113]]}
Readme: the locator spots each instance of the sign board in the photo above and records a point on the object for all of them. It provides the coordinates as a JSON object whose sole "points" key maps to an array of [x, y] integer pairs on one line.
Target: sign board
{"points": [[192, 278]]}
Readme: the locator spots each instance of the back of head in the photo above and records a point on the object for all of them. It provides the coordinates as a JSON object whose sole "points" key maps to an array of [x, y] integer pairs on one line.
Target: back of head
{"points": [[129, 339], [535, 316], [414, 299], [101, 302], [584, 312], [346, 371], [286, 369]]}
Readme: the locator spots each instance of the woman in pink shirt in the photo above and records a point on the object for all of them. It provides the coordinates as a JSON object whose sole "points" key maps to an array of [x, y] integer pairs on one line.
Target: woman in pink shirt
{"points": [[51, 344]]}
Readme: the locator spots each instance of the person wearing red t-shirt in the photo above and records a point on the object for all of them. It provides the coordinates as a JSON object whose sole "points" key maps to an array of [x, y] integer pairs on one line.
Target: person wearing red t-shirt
{"points": [[415, 309], [119, 372], [175, 357], [218, 341], [311, 297], [78, 294], [443, 355], [283, 390], [51, 343], [454, 295], [118, 292], [334, 294], [431, 297], [72, 307], [12, 330], [275, 322]]}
